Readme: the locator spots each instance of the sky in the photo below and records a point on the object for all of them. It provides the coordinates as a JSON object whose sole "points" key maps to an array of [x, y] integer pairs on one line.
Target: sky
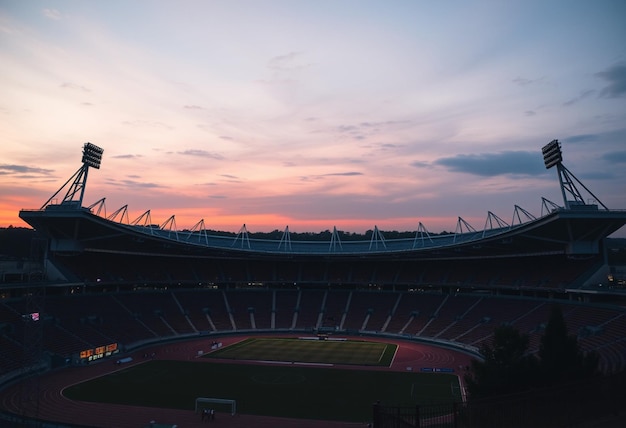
{"points": [[312, 114]]}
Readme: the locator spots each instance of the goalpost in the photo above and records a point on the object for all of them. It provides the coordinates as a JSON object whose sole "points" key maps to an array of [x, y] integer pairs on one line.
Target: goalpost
{"points": [[204, 403]]}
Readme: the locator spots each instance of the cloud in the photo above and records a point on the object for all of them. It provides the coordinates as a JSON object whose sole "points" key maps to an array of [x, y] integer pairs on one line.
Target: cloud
{"points": [[201, 153], [193, 107], [494, 164], [285, 69], [615, 157], [231, 178], [52, 14], [362, 130], [614, 137], [522, 81], [126, 156], [343, 174], [23, 169], [68, 85], [420, 164], [530, 113], [383, 147], [370, 127], [616, 78], [330, 174], [385, 123], [347, 128], [283, 62], [135, 184], [582, 96], [581, 138]]}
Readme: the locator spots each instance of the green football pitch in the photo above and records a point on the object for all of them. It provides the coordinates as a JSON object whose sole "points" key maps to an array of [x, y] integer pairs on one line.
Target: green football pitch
{"points": [[282, 389], [321, 352]]}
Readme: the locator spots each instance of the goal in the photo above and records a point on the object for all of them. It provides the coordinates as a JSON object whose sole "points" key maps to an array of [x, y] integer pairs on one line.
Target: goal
{"points": [[206, 403]]}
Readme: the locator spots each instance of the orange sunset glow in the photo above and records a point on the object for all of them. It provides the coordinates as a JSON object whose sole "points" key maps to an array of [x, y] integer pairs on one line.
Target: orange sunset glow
{"points": [[311, 115]]}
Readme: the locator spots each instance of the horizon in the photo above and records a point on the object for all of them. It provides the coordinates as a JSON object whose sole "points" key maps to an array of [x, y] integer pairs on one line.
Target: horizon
{"points": [[349, 114]]}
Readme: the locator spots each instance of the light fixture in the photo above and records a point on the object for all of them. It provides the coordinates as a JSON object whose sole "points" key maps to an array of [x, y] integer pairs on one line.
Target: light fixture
{"points": [[92, 155], [552, 154]]}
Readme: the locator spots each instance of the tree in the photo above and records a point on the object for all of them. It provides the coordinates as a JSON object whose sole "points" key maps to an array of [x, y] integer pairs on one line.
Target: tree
{"points": [[506, 367], [561, 359]]}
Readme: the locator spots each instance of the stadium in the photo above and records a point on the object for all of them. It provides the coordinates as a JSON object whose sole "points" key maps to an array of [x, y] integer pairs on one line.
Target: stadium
{"points": [[103, 295]]}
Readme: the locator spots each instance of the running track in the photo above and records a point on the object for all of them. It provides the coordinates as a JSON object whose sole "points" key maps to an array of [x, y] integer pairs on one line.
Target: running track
{"points": [[54, 407]]}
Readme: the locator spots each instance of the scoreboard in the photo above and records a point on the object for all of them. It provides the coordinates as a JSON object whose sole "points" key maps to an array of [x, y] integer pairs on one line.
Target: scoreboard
{"points": [[99, 352]]}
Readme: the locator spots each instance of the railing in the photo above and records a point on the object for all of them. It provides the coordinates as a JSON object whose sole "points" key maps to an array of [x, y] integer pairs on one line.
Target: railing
{"points": [[599, 398], [437, 415]]}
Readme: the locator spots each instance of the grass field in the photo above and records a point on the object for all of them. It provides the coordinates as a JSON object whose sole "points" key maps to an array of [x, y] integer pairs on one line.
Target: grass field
{"points": [[287, 390], [310, 351]]}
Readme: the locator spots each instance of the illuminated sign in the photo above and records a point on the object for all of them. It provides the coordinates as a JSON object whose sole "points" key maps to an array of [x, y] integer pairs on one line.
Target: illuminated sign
{"points": [[31, 317], [99, 352]]}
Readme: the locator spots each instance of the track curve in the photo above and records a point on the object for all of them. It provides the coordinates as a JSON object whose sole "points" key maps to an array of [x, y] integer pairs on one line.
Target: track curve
{"points": [[53, 406]]}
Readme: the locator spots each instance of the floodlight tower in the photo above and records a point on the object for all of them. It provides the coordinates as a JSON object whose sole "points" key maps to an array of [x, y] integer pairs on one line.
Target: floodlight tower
{"points": [[92, 157], [552, 156]]}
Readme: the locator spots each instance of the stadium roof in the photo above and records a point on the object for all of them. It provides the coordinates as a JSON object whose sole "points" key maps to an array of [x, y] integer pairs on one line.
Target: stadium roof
{"points": [[568, 231], [576, 228]]}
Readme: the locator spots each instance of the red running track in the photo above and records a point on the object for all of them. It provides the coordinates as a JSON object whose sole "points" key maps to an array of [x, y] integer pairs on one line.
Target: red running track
{"points": [[53, 406]]}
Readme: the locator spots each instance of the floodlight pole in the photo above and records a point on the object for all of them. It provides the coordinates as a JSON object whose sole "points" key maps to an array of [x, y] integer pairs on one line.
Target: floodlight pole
{"points": [[62, 187], [78, 186], [552, 156], [563, 182], [92, 157], [567, 184]]}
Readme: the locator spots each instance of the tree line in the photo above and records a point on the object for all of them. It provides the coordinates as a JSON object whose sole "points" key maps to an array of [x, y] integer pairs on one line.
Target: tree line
{"points": [[508, 366], [325, 235]]}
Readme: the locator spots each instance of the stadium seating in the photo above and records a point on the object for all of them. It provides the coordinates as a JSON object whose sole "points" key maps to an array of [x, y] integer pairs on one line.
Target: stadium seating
{"points": [[308, 308], [286, 302], [75, 322], [335, 304]]}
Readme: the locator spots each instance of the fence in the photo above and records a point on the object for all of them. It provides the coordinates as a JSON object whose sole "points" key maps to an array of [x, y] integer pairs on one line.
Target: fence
{"points": [[563, 406]]}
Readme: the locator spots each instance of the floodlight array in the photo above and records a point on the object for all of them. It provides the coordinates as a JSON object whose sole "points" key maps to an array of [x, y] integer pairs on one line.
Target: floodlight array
{"points": [[552, 154], [92, 155]]}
